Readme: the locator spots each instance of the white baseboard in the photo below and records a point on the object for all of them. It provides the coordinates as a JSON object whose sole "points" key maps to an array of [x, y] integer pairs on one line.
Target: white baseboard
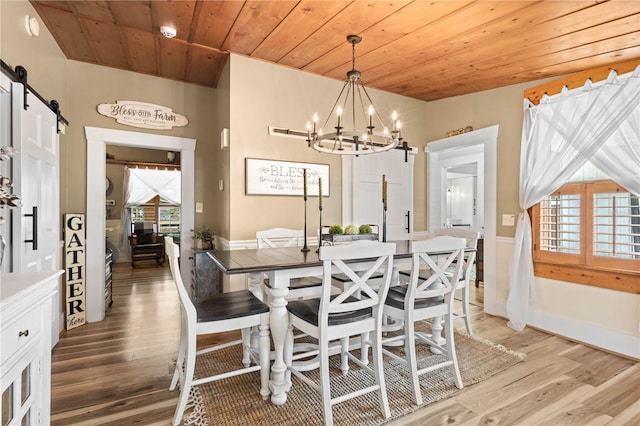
{"points": [[584, 333]]}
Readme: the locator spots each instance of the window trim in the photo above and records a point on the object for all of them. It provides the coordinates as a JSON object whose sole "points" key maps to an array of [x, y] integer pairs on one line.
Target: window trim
{"points": [[584, 268]]}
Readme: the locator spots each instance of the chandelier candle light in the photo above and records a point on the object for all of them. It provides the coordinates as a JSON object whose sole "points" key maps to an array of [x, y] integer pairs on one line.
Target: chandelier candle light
{"points": [[366, 140]]}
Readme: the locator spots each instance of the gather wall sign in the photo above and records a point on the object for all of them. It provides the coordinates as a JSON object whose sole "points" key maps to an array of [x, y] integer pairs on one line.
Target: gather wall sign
{"points": [[143, 115]]}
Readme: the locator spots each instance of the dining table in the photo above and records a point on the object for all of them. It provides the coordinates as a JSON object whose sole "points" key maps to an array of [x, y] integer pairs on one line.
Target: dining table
{"points": [[280, 265]]}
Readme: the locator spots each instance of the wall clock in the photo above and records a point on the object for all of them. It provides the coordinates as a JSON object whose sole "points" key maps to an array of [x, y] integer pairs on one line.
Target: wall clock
{"points": [[108, 186]]}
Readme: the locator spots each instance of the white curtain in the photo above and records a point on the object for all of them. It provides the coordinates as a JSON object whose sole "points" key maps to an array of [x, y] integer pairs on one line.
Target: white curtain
{"points": [[141, 185], [596, 122], [144, 184]]}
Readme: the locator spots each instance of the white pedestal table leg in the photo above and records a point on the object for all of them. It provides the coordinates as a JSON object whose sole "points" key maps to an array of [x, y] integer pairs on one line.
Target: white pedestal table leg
{"points": [[279, 322], [254, 285]]}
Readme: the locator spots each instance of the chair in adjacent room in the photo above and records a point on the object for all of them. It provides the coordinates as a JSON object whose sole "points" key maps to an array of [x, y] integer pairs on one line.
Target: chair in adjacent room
{"points": [[333, 317], [239, 310], [467, 268], [427, 296], [146, 243]]}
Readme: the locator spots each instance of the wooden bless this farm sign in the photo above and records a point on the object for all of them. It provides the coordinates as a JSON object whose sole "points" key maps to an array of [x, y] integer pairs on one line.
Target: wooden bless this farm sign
{"points": [[143, 115]]}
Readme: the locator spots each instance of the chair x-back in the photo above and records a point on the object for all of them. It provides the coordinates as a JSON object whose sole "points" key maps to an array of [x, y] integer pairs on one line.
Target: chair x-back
{"points": [[238, 310], [467, 268], [428, 295], [284, 237], [355, 310]]}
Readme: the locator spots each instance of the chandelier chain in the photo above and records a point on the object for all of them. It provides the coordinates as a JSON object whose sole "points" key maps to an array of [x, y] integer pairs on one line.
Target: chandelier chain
{"points": [[353, 55]]}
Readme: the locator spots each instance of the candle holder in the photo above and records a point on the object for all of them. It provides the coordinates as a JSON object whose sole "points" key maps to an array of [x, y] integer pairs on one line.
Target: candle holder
{"points": [[320, 233], [384, 224], [320, 205], [304, 248], [384, 209]]}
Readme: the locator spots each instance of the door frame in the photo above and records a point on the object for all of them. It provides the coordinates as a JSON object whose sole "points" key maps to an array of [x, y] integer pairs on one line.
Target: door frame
{"points": [[97, 141], [488, 139]]}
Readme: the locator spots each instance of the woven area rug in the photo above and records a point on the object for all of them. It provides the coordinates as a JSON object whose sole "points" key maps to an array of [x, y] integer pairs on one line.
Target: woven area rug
{"points": [[236, 401]]}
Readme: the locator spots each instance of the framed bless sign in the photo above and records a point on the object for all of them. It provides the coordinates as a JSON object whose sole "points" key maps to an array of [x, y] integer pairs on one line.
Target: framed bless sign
{"points": [[273, 177]]}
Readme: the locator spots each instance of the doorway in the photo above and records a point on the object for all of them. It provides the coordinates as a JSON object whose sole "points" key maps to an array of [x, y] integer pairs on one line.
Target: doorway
{"points": [[97, 140], [464, 197], [163, 213], [478, 147]]}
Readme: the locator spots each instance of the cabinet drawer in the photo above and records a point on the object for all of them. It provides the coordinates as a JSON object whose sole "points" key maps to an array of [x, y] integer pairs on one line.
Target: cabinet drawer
{"points": [[20, 332]]}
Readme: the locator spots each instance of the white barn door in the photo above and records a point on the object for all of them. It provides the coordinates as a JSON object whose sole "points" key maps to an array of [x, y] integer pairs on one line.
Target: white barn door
{"points": [[35, 243], [362, 192], [36, 225]]}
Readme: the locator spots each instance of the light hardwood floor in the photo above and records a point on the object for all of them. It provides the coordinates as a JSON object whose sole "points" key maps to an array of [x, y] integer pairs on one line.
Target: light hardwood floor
{"points": [[116, 372]]}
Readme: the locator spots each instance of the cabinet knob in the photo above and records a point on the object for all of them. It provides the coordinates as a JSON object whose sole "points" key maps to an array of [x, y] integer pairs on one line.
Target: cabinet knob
{"points": [[23, 333]]}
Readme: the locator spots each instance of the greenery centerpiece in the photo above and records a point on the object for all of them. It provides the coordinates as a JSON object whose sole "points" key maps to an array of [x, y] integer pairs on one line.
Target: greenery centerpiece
{"points": [[336, 233]]}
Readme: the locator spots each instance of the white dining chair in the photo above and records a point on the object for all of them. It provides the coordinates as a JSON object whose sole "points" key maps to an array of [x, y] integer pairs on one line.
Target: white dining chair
{"points": [[467, 268], [284, 237], [331, 318], [239, 310], [428, 295]]}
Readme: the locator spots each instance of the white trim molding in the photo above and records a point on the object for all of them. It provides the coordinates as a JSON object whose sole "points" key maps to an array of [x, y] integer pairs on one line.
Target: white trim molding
{"points": [[97, 141], [487, 138], [593, 333]]}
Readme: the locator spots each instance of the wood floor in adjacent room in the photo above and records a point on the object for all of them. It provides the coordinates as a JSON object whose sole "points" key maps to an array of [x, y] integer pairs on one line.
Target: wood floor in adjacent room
{"points": [[116, 372]]}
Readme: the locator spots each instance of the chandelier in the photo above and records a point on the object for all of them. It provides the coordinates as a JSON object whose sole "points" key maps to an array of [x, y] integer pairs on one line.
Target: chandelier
{"points": [[354, 108]]}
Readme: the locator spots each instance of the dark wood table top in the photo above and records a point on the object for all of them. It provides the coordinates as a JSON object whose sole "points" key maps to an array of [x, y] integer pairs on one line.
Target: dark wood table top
{"points": [[269, 259]]}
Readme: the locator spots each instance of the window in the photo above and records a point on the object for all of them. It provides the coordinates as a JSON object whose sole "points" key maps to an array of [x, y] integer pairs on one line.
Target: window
{"points": [[169, 220], [164, 216], [589, 232]]}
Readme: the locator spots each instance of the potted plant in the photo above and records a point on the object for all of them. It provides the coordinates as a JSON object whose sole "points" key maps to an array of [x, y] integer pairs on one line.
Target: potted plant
{"points": [[203, 237]]}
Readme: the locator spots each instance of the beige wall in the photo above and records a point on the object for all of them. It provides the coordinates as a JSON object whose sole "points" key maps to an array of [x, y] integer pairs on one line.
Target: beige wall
{"points": [[257, 88], [44, 61], [221, 219], [501, 106], [265, 95], [93, 85], [599, 316], [41, 56], [252, 95]]}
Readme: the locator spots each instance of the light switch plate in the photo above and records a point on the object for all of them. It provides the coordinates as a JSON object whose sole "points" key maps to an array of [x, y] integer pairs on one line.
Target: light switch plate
{"points": [[199, 208], [221, 185], [508, 220]]}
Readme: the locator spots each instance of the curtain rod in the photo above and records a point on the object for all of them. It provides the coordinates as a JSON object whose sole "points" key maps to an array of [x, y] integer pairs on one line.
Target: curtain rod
{"points": [[573, 81], [139, 163], [20, 76]]}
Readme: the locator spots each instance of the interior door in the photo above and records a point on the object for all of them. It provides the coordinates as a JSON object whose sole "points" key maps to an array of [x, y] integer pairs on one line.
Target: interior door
{"points": [[363, 192], [36, 224]]}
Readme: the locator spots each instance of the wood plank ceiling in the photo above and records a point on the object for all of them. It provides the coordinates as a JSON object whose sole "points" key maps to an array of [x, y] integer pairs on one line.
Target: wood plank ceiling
{"points": [[422, 49]]}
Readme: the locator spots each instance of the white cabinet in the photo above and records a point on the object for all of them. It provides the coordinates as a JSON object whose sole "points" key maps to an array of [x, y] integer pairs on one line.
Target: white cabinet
{"points": [[25, 346]]}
